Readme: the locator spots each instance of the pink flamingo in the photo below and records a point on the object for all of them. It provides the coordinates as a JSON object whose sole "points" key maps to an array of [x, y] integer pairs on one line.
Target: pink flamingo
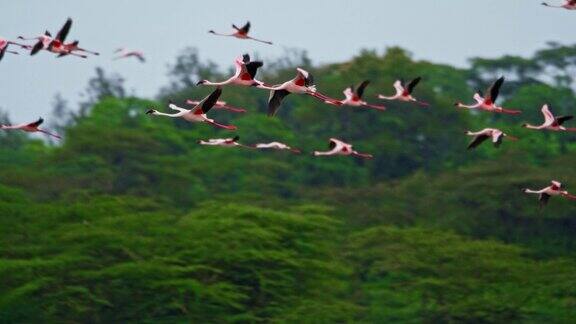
{"points": [[555, 189], [244, 76], [338, 147], [220, 105], [568, 5], [241, 33], [30, 128], [225, 142], [196, 114], [124, 53], [404, 92], [55, 45], [551, 122], [276, 146], [303, 83], [488, 103], [354, 97], [4, 44], [481, 136]]}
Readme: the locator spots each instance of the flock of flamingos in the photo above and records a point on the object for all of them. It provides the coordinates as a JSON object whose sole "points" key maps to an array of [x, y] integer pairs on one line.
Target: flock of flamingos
{"points": [[302, 83]]}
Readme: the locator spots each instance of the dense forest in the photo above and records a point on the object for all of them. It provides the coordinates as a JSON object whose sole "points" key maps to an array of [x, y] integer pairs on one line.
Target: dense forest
{"points": [[128, 219]]}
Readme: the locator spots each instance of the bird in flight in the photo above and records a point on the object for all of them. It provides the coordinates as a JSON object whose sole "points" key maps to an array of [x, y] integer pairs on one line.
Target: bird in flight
{"points": [[30, 128], [496, 135], [554, 189], [404, 92], [338, 147], [353, 97], [488, 103], [225, 142], [276, 146], [241, 33], [196, 114], [552, 122], [568, 5], [245, 74], [123, 53]]}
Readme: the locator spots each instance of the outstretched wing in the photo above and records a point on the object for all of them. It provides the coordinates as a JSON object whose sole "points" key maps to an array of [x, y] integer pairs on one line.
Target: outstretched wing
{"points": [[561, 119], [3, 51], [410, 86], [275, 100], [245, 29], [494, 90], [207, 103], [543, 199], [61, 36], [252, 68], [478, 139], [36, 123], [548, 116], [361, 87]]}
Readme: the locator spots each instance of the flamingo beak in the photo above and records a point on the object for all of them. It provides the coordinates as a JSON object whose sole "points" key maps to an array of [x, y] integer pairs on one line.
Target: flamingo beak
{"points": [[200, 82], [150, 111]]}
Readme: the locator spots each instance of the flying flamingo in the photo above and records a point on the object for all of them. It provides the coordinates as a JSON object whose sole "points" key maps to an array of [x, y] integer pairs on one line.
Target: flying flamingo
{"points": [[244, 76], [354, 97], [241, 33], [303, 83], [276, 146], [196, 114], [568, 5], [46, 41], [4, 44], [337, 147], [481, 136], [30, 128], [404, 92], [488, 103], [225, 142], [125, 53], [551, 122], [553, 190], [220, 105]]}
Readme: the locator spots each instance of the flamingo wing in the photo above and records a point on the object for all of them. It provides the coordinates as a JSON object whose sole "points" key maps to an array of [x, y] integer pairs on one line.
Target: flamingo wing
{"points": [[561, 119], [478, 139], [245, 29], [36, 123], [494, 90], [3, 51], [275, 100], [63, 32], [252, 68], [361, 88], [548, 116], [543, 199], [399, 86], [207, 103], [412, 84], [349, 92]]}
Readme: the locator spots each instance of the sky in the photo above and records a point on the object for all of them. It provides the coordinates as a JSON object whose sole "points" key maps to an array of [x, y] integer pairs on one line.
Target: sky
{"points": [[443, 31]]}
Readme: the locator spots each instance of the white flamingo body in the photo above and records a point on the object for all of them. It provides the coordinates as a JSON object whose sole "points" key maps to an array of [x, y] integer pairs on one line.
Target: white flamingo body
{"points": [[404, 92], [276, 146], [303, 83], [554, 189], [353, 97], [494, 134], [245, 74], [30, 128], [338, 147], [224, 142], [488, 102], [551, 122], [196, 114]]}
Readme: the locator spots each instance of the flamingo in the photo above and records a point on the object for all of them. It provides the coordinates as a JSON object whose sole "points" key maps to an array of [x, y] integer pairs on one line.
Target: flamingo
{"points": [[481, 136], [30, 128], [404, 92], [568, 5], [354, 97], [551, 122], [244, 76], [276, 146], [125, 53], [196, 114], [337, 147], [488, 103], [241, 33], [303, 83], [4, 44], [220, 105], [56, 44], [225, 142], [554, 189]]}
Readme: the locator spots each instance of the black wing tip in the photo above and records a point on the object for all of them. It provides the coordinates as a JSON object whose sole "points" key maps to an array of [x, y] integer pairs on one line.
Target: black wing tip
{"points": [[236, 138]]}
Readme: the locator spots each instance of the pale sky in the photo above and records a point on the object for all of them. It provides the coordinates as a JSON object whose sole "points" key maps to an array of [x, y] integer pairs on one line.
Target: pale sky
{"points": [[445, 31]]}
